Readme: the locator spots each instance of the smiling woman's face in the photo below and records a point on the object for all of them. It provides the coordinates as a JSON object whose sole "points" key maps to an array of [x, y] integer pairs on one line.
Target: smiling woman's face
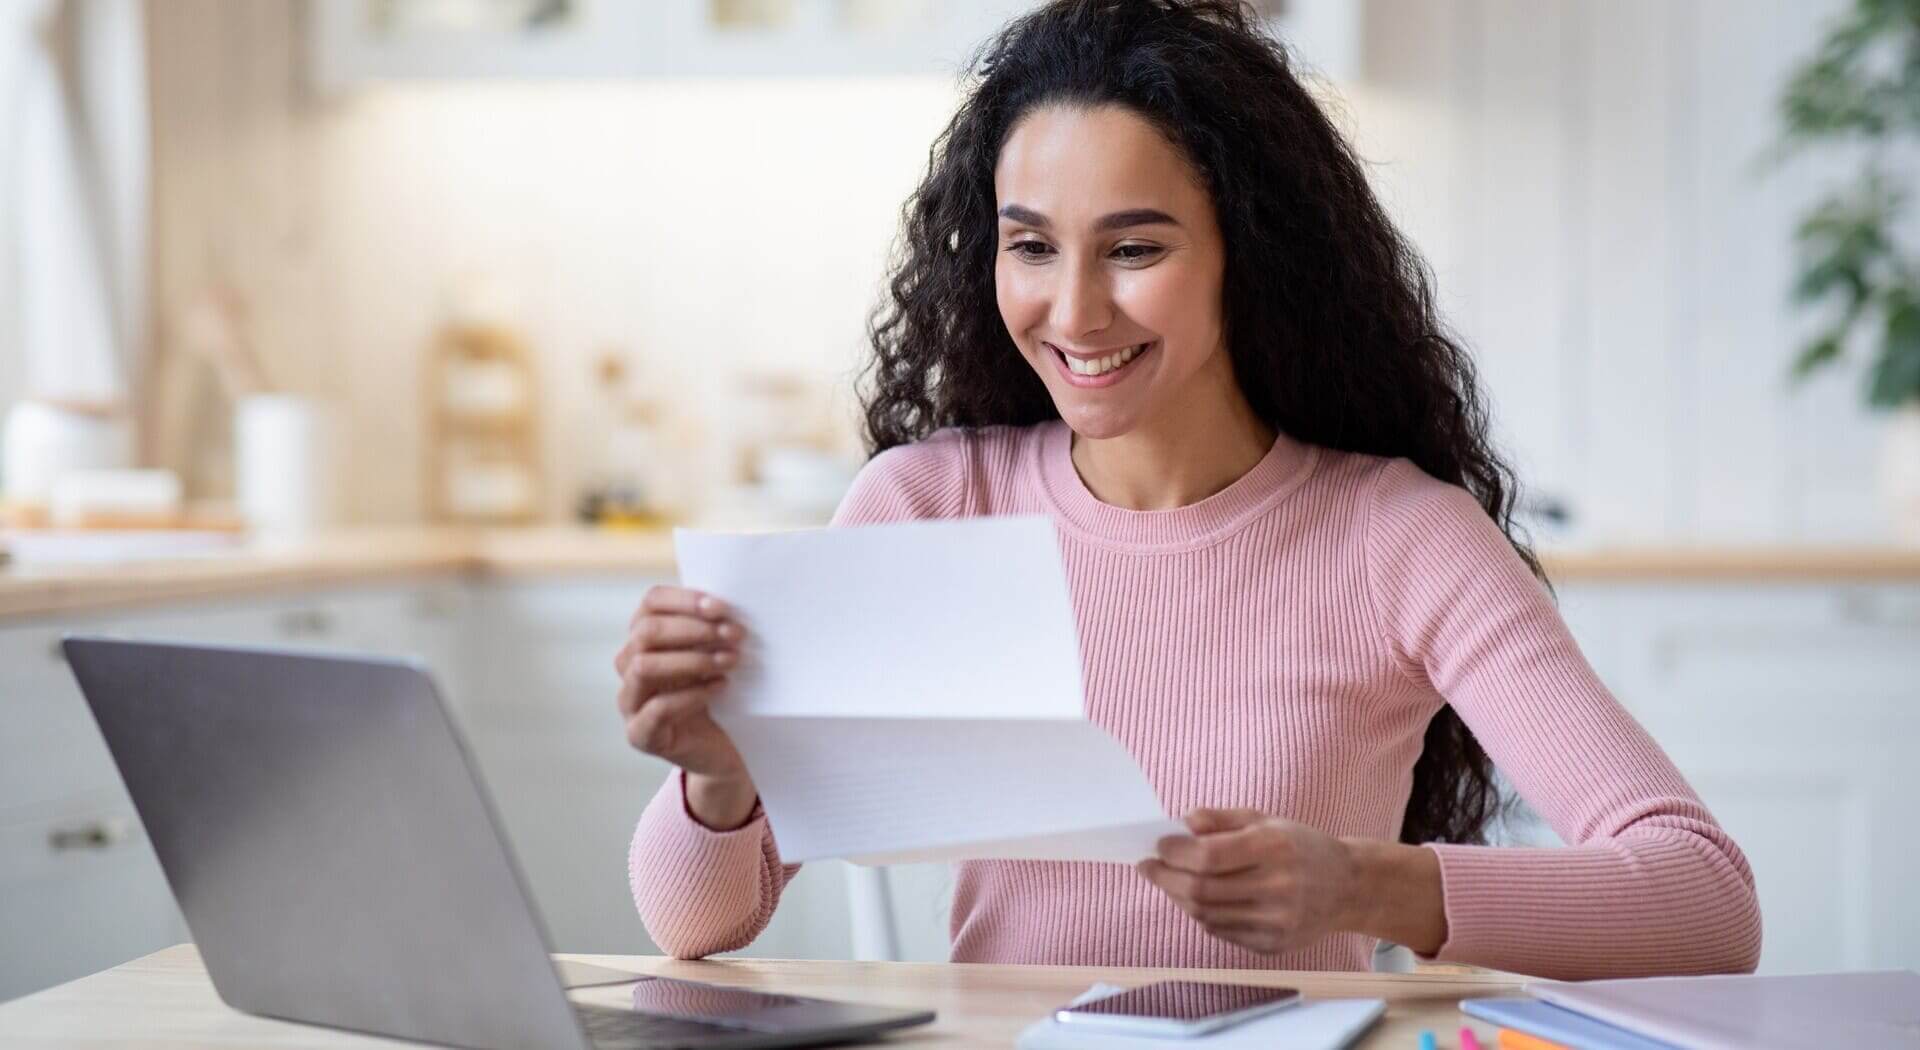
{"points": [[1109, 269]]}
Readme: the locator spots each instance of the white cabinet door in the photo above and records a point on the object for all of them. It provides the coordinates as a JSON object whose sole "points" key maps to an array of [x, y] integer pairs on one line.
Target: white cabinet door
{"points": [[49, 746], [80, 890], [1794, 711], [540, 715], [542, 720]]}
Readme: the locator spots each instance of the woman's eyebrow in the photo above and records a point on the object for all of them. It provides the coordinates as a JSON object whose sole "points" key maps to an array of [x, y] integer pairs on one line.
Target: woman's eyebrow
{"points": [[1118, 220], [1024, 216]]}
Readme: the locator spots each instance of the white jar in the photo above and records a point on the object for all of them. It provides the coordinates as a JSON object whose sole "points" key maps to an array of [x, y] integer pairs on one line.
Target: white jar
{"points": [[283, 474], [43, 440]]}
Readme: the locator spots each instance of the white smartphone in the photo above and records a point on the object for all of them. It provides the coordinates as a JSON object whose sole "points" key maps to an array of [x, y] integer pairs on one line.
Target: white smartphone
{"points": [[1177, 1008]]}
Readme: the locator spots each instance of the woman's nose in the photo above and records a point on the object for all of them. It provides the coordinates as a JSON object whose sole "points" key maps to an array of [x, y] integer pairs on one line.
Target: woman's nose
{"points": [[1082, 303]]}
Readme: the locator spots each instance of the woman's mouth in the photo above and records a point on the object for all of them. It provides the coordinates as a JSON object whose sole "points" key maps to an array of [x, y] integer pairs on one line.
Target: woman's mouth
{"points": [[1094, 370]]}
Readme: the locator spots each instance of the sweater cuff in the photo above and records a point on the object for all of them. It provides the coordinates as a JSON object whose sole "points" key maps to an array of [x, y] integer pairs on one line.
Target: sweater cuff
{"points": [[693, 886], [1522, 909], [672, 831], [1568, 913]]}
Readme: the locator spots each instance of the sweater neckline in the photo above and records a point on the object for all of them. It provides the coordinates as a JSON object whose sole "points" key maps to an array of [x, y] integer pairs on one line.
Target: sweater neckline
{"points": [[1278, 473]]}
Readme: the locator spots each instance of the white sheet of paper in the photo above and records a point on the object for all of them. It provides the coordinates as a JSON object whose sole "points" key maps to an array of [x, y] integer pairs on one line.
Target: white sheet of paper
{"points": [[911, 692]]}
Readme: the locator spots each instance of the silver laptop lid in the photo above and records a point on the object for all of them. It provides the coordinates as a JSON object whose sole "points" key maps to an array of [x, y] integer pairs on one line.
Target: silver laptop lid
{"points": [[328, 840]]}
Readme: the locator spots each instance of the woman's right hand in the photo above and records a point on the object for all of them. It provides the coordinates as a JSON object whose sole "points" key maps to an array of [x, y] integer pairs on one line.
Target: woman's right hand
{"points": [[680, 645]]}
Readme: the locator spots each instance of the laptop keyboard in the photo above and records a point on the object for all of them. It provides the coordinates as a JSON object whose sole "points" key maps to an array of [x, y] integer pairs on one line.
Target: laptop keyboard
{"points": [[610, 1029]]}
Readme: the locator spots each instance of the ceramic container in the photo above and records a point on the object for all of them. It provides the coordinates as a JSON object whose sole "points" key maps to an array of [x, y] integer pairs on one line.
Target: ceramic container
{"points": [[283, 477], [43, 440]]}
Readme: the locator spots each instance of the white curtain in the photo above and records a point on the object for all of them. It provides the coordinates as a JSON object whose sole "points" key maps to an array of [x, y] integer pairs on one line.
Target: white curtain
{"points": [[77, 193], [15, 43]]}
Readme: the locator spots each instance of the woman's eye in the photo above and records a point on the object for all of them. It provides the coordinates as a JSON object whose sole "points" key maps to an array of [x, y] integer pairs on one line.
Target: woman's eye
{"points": [[1030, 249], [1135, 252]]}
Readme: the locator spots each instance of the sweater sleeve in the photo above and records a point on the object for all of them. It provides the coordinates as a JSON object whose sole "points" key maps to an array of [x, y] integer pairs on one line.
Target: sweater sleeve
{"points": [[1649, 883], [701, 891]]}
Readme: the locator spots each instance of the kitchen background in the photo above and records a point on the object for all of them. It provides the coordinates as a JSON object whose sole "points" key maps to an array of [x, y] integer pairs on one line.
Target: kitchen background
{"points": [[620, 264]]}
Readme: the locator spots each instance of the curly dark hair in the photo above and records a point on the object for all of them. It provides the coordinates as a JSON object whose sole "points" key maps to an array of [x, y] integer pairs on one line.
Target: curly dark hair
{"points": [[1330, 317]]}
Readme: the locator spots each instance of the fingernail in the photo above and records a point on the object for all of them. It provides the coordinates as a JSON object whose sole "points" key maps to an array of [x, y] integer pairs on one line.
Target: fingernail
{"points": [[725, 657], [711, 606], [729, 631]]}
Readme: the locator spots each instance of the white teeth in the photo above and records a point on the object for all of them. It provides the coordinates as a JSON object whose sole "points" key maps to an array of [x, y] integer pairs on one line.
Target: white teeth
{"points": [[1102, 365]]}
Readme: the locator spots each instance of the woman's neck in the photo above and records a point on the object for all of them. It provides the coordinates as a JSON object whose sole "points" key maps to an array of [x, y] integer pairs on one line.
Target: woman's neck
{"points": [[1178, 459]]}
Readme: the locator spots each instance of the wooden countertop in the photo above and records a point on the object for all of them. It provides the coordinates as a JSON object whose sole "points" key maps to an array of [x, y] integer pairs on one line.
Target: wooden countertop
{"points": [[335, 559], [1868, 564], [166, 999], [361, 556]]}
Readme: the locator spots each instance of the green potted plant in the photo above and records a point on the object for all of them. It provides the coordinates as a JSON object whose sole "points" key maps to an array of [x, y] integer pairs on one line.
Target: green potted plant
{"points": [[1859, 94]]}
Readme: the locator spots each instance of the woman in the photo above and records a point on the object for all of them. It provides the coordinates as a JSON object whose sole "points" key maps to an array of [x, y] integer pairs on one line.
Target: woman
{"points": [[1146, 290]]}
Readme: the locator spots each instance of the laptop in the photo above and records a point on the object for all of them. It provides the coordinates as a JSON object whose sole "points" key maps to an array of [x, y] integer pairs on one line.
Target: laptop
{"points": [[1879, 1008], [337, 860]]}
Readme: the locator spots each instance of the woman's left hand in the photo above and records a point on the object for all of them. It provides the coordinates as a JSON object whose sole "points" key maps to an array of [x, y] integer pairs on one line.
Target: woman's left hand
{"points": [[1263, 883]]}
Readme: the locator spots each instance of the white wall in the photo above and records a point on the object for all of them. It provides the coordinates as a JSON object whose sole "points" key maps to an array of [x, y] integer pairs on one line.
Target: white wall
{"points": [[1579, 173], [1584, 177], [709, 228]]}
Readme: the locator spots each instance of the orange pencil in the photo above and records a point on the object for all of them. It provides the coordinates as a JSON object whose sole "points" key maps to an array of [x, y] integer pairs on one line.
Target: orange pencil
{"points": [[1512, 1040]]}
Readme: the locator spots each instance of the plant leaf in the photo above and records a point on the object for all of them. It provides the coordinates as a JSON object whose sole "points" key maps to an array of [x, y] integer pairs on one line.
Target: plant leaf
{"points": [[1813, 356], [1822, 351], [1895, 379], [1823, 276]]}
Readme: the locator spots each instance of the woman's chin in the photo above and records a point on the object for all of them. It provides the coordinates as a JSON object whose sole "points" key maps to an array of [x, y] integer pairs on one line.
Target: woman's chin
{"points": [[1096, 422]]}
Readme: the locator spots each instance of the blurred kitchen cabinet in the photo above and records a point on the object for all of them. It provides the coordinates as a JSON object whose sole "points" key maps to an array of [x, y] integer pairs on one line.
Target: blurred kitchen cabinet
{"points": [[369, 41], [548, 739], [80, 887], [1794, 710], [49, 748], [526, 667], [358, 42], [823, 37], [569, 789], [80, 890]]}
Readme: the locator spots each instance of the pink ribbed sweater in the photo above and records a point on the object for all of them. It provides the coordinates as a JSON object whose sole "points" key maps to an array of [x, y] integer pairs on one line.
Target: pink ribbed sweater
{"points": [[1281, 645]]}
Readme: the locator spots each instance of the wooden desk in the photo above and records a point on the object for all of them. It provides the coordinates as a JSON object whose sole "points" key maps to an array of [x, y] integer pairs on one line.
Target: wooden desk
{"points": [[165, 999]]}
